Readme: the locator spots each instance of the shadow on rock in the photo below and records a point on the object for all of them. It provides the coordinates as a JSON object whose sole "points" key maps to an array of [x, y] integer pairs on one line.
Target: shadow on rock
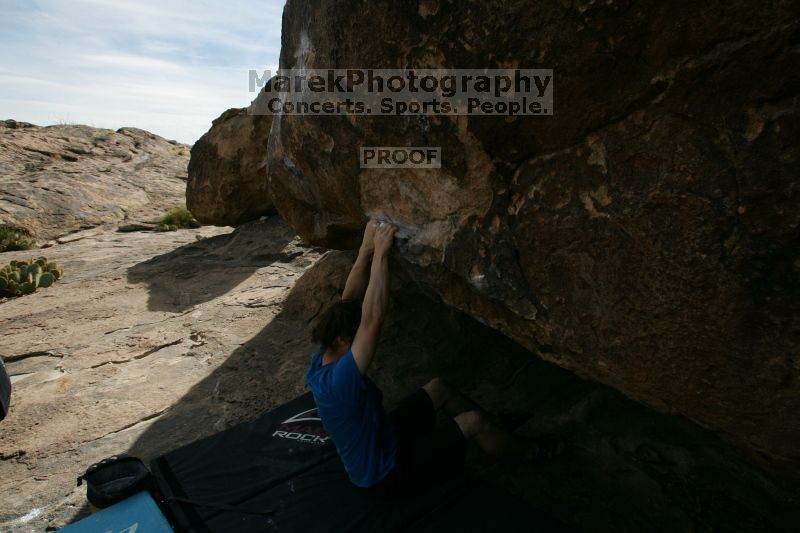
{"points": [[211, 267], [626, 468], [264, 372]]}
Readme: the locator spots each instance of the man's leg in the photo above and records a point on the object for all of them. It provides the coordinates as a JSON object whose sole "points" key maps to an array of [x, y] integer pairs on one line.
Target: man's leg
{"points": [[495, 442], [445, 397], [476, 425]]}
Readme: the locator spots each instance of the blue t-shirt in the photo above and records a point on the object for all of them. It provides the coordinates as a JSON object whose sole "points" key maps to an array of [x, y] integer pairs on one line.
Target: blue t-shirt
{"points": [[351, 409]]}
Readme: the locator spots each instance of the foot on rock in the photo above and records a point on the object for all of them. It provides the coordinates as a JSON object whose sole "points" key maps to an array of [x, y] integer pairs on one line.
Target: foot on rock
{"points": [[512, 421], [549, 447]]}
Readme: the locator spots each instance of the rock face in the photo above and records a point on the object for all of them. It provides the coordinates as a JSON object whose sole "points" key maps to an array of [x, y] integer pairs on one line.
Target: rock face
{"points": [[56, 180], [227, 174], [644, 236]]}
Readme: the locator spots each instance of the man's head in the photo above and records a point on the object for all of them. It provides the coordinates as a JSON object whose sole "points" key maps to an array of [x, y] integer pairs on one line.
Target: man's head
{"points": [[338, 325]]}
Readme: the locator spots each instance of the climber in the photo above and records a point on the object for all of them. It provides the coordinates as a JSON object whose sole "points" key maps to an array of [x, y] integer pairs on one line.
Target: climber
{"points": [[389, 454]]}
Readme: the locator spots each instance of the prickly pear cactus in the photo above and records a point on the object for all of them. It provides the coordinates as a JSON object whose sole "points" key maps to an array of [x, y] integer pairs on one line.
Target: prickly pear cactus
{"points": [[46, 279], [18, 278]]}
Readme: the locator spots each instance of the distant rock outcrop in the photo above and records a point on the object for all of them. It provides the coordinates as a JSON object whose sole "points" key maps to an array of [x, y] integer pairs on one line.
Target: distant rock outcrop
{"points": [[56, 180], [645, 235], [227, 171]]}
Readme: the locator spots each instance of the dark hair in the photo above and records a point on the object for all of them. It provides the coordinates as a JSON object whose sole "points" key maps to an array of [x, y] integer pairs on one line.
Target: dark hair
{"points": [[340, 320]]}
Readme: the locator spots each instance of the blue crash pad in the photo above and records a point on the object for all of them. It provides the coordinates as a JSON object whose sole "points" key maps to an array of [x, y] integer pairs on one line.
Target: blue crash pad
{"points": [[137, 514]]}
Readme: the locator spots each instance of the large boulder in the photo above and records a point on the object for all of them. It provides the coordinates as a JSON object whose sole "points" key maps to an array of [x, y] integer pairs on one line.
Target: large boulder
{"points": [[227, 176], [644, 236]]}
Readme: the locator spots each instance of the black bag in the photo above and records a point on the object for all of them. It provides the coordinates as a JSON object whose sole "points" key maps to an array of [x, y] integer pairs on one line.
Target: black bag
{"points": [[5, 390], [114, 479]]}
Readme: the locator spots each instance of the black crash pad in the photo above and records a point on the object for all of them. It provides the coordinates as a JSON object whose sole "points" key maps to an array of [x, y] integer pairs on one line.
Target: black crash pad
{"points": [[284, 465]]}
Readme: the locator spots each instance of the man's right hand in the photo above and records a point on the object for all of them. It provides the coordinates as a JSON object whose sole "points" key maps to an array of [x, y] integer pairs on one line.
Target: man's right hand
{"points": [[357, 280], [384, 237], [368, 241], [376, 299]]}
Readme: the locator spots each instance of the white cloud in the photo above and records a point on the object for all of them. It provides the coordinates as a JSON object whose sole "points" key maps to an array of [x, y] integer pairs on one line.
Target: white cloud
{"points": [[133, 61], [167, 67]]}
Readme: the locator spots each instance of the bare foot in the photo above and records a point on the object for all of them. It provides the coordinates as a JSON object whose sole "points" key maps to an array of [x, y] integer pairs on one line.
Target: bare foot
{"points": [[533, 453], [549, 447]]}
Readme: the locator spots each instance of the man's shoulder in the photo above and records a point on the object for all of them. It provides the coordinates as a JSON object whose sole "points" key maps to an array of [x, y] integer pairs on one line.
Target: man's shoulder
{"points": [[346, 363], [314, 369], [340, 378]]}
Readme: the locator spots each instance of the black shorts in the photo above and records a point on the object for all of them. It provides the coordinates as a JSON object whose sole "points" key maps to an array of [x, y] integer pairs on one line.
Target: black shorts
{"points": [[426, 453]]}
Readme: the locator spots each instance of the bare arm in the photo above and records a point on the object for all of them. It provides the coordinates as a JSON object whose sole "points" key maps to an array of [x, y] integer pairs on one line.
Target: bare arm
{"points": [[359, 274], [376, 300]]}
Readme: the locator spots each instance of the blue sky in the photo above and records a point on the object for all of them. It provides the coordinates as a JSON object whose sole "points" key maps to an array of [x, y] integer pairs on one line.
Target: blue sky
{"points": [[168, 66]]}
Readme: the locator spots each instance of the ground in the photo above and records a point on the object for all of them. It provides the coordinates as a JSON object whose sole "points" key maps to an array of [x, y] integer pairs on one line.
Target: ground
{"points": [[153, 340]]}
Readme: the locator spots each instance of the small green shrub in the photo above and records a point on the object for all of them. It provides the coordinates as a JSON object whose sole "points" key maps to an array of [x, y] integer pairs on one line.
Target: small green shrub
{"points": [[179, 150], [13, 238], [24, 277], [176, 218]]}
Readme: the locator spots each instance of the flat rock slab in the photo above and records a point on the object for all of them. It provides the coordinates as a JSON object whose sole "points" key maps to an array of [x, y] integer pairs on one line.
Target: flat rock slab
{"points": [[138, 319]]}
